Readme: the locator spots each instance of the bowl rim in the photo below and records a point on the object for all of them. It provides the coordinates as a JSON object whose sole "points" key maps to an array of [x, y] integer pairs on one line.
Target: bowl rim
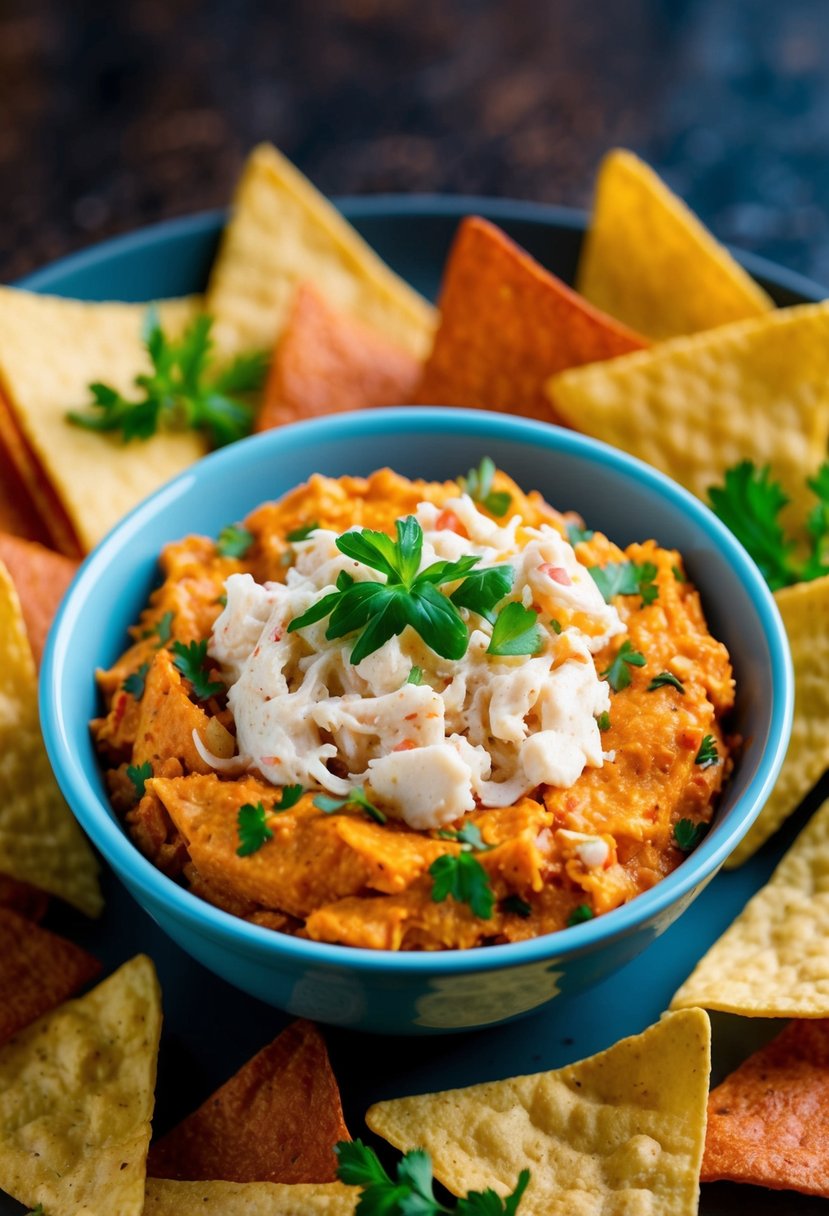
{"points": [[96, 817]]}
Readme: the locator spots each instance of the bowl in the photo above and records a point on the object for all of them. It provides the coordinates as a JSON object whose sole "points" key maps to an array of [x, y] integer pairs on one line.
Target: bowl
{"points": [[384, 991]]}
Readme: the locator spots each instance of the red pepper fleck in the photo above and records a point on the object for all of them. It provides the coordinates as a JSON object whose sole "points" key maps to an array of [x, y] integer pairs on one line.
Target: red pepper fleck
{"points": [[448, 521], [557, 573], [405, 745], [120, 707], [276, 636]]}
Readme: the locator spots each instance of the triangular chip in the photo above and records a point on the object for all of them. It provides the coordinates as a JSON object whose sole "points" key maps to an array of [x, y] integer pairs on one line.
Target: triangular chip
{"points": [[40, 841], [805, 611], [76, 1099], [621, 1131], [96, 477], [649, 261], [18, 512], [506, 325], [40, 578], [23, 898], [768, 1123], [37, 971], [326, 362], [282, 233], [772, 962], [166, 1198], [694, 407], [276, 1120]]}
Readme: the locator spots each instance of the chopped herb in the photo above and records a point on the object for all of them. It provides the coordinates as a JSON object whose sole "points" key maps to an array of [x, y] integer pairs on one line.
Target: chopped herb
{"points": [[355, 797], [468, 837], [138, 774], [464, 878], [184, 391], [707, 754], [679, 575], [603, 721], [664, 679], [482, 590], [515, 631], [134, 683], [415, 676], [688, 834], [576, 534], [579, 915], [38, 1211], [290, 796], [626, 578], [302, 533], [478, 485], [618, 673], [234, 541], [163, 629], [222, 600], [517, 905], [253, 829], [191, 661], [555, 625]]}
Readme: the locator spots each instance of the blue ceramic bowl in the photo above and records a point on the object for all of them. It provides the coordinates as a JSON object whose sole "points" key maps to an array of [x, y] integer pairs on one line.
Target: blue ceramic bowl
{"points": [[384, 991]]}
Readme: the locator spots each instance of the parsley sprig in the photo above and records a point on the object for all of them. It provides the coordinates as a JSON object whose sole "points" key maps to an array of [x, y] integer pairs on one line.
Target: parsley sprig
{"points": [[666, 679], [626, 578], [515, 632], [184, 391], [135, 681], [478, 485], [234, 541], [355, 797], [688, 834], [252, 825], [618, 673], [138, 775], [463, 877], [191, 661], [707, 754]]}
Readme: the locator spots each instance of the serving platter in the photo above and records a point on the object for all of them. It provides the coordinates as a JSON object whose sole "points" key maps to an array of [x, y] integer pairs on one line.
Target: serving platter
{"points": [[210, 1028]]}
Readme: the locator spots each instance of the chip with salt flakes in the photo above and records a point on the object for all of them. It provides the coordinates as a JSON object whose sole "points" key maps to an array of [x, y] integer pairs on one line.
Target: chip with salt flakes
{"points": [[620, 1131], [649, 261], [283, 232], [772, 961], [95, 478], [40, 841], [694, 407], [76, 1099], [167, 1198]]}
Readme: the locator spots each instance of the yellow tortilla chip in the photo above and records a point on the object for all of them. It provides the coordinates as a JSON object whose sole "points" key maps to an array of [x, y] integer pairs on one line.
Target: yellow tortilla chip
{"points": [[620, 1132], [165, 1198], [50, 351], [40, 841], [76, 1099], [772, 962], [283, 233], [693, 407], [805, 612], [649, 262]]}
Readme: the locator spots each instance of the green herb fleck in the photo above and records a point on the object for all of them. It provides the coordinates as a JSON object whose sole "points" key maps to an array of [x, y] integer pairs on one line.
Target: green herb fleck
{"points": [[191, 661], [463, 877], [603, 721], [162, 629], [707, 754], [666, 679], [618, 673], [577, 534], [478, 485], [355, 797], [302, 533], [234, 541], [134, 683], [679, 575], [468, 837], [138, 774], [515, 631], [688, 834], [517, 905], [579, 915], [626, 578], [555, 625], [289, 797], [253, 829], [415, 676]]}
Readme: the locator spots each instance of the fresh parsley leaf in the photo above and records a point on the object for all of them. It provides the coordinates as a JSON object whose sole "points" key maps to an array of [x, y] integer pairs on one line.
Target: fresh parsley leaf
{"points": [[749, 503], [289, 797], [463, 877], [358, 1165], [482, 590], [515, 631], [302, 533], [618, 673], [576, 534], [817, 563], [234, 541], [688, 834], [489, 1203], [253, 829], [666, 679], [163, 629], [134, 683], [678, 574], [517, 905], [478, 485], [626, 578], [707, 754], [191, 661], [468, 837], [183, 391], [603, 721], [354, 797], [579, 915], [138, 774]]}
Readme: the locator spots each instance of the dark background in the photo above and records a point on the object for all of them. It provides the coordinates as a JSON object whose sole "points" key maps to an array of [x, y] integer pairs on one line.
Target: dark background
{"points": [[115, 115]]}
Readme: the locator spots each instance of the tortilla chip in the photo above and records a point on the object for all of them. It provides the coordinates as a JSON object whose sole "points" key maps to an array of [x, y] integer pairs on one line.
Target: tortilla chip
{"points": [[768, 1123], [40, 842], [283, 233], [37, 971], [772, 962], [326, 362], [18, 513], [76, 1099], [649, 261], [621, 1131], [506, 325], [165, 1198], [23, 898], [40, 578], [97, 477], [693, 407], [276, 1120]]}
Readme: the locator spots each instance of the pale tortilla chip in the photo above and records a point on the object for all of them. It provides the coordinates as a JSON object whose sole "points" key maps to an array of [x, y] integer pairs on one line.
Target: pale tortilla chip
{"points": [[694, 407], [772, 962], [76, 1099], [40, 841], [805, 612], [283, 233], [622, 1131], [648, 260], [50, 351], [165, 1198]]}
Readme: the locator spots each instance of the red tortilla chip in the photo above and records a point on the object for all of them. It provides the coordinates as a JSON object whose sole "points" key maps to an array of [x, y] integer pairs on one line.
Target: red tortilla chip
{"points": [[18, 513], [276, 1120], [327, 362], [40, 577], [768, 1123], [23, 898], [37, 972], [506, 325]]}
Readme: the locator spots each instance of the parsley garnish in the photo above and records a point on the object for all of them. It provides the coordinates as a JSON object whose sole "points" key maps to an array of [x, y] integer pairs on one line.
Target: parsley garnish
{"points": [[415, 676], [355, 797], [478, 485], [514, 903], [626, 578], [468, 837], [182, 392], [664, 679], [576, 535], [515, 631], [603, 721], [707, 754], [579, 915], [302, 533], [134, 683], [688, 834], [289, 797], [191, 661], [482, 590], [463, 877], [618, 673], [253, 829], [163, 629], [138, 774], [678, 574], [555, 625], [411, 1192], [234, 541]]}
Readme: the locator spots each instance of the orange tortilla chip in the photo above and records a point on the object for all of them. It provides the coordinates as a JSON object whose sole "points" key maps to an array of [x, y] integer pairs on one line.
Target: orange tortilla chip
{"points": [[276, 1120], [768, 1123], [328, 362], [18, 513], [37, 972], [506, 325], [40, 577]]}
